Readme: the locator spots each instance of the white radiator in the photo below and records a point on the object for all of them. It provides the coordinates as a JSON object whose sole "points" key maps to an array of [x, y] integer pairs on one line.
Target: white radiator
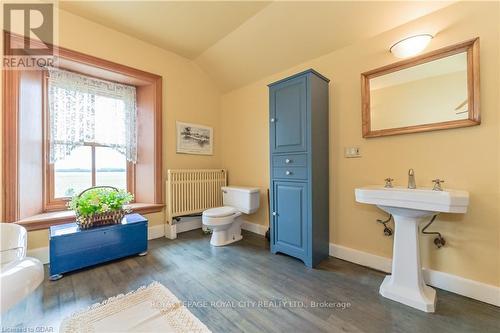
{"points": [[191, 191]]}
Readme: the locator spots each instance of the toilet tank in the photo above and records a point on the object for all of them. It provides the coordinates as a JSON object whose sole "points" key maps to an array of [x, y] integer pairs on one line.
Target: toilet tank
{"points": [[244, 199]]}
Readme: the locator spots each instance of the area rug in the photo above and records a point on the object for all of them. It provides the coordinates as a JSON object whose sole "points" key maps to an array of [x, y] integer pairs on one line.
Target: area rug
{"points": [[150, 308]]}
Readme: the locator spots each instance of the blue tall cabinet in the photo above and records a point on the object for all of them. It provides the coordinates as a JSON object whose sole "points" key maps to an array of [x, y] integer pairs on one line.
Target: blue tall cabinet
{"points": [[298, 116]]}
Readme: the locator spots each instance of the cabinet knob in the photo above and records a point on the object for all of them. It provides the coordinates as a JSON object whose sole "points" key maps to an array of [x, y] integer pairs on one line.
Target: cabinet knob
{"points": [[274, 213], [287, 161], [273, 120], [288, 173]]}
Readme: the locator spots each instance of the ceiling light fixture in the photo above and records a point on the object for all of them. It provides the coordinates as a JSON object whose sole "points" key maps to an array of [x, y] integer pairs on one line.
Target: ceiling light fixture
{"points": [[410, 46]]}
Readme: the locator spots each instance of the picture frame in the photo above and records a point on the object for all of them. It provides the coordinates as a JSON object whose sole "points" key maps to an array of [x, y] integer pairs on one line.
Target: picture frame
{"points": [[194, 139]]}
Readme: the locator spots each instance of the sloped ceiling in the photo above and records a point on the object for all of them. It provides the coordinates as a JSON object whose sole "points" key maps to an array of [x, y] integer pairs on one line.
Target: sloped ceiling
{"points": [[185, 27], [239, 42]]}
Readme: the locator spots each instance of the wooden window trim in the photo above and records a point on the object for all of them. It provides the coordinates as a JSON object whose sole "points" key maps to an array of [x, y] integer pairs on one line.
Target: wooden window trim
{"points": [[10, 150], [93, 66]]}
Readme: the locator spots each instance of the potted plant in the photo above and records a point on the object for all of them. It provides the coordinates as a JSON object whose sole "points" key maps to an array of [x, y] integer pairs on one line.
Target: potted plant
{"points": [[100, 205]]}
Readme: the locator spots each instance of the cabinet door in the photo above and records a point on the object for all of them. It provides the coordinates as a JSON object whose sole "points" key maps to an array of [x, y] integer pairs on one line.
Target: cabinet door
{"points": [[290, 218], [288, 107]]}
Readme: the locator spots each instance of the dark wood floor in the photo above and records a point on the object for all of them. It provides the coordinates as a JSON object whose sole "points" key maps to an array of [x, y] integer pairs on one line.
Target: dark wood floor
{"points": [[242, 287]]}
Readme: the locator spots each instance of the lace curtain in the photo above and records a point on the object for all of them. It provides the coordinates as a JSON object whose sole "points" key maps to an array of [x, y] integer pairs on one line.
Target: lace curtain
{"points": [[84, 109]]}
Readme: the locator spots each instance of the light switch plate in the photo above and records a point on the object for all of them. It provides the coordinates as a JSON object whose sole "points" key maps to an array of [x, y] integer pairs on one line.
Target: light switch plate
{"points": [[352, 152]]}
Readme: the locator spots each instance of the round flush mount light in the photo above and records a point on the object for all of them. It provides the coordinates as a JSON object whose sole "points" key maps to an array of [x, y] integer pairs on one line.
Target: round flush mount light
{"points": [[410, 46]]}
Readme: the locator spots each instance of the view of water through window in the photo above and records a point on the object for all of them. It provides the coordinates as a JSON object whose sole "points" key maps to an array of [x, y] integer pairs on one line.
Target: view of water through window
{"points": [[74, 173]]}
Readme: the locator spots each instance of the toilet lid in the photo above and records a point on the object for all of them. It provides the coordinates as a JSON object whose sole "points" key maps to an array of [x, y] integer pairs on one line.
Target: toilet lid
{"points": [[219, 211]]}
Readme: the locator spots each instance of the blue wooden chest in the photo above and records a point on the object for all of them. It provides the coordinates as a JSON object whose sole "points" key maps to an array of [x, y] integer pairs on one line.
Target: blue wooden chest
{"points": [[72, 248]]}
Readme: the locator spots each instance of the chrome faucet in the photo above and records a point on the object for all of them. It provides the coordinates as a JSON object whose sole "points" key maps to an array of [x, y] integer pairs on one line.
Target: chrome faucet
{"points": [[411, 179]]}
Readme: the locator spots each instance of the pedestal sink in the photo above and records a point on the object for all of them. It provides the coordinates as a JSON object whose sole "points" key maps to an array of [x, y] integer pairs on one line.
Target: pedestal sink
{"points": [[409, 208]]}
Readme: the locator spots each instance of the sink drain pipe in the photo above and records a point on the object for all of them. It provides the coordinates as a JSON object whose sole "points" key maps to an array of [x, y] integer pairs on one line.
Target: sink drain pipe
{"points": [[439, 241], [387, 230]]}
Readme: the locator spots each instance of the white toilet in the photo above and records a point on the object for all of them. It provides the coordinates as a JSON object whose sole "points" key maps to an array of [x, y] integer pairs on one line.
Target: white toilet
{"points": [[225, 222]]}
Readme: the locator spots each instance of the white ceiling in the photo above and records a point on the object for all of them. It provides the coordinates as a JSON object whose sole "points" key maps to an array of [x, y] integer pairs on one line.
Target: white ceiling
{"points": [[238, 42]]}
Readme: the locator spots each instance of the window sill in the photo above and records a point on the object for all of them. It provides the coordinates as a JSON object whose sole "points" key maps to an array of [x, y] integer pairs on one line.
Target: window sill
{"points": [[45, 220]]}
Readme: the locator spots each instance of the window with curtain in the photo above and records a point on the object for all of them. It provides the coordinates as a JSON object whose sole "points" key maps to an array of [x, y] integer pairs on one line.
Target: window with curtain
{"points": [[92, 133]]}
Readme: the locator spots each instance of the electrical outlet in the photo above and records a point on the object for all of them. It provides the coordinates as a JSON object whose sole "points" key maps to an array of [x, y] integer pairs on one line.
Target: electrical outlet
{"points": [[352, 152]]}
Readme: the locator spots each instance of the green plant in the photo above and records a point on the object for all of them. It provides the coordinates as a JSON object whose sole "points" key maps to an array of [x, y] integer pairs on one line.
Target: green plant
{"points": [[99, 200]]}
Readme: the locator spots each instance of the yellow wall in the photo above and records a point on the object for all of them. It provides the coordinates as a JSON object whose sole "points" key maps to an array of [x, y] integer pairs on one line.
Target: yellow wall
{"points": [[245, 142], [188, 94], [467, 158]]}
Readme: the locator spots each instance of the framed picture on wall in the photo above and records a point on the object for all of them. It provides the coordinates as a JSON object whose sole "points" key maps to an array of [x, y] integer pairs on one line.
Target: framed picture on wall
{"points": [[194, 139]]}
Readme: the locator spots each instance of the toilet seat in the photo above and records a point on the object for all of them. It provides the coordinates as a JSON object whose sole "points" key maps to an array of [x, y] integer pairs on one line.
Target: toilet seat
{"points": [[220, 211], [220, 216]]}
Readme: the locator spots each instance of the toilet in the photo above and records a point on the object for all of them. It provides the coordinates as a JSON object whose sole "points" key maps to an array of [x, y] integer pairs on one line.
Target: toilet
{"points": [[225, 222]]}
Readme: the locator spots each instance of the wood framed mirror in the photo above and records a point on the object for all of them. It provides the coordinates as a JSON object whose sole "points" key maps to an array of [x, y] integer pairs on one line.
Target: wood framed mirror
{"points": [[433, 91]]}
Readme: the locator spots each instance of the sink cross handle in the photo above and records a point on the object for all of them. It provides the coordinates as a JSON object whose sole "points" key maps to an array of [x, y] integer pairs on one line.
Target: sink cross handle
{"points": [[388, 182], [437, 184]]}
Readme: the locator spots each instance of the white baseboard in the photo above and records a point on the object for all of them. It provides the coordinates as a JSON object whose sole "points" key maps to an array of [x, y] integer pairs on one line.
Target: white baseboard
{"points": [[40, 253], [185, 224], [156, 231], [255, 228], [449, 282], [453, 283], [188, 223], [361, 258], [191, 223]]}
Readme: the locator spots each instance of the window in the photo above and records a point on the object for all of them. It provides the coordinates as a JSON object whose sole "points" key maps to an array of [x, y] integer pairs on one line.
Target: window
{"points": [[88, 166], [28, 173], [91, 135], [74, 173]]}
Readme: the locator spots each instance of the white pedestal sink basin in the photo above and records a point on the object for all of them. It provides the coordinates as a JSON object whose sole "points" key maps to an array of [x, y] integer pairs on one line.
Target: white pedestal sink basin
{"points": [[409, 208]]}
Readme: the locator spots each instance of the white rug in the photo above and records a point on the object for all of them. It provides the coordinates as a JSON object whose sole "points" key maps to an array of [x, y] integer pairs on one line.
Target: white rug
{"points": [[148, 309]]}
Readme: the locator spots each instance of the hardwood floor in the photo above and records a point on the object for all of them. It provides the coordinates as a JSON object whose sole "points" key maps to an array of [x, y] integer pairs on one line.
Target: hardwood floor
{"points": [[243, 287]]}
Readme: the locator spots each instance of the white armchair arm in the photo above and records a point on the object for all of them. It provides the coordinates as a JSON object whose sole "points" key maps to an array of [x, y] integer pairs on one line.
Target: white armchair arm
{"points": [[19, 275], [19, 278]]}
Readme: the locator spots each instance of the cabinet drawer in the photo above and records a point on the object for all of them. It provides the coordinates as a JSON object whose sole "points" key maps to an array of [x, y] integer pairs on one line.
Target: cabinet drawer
{"points": [[290, 173], [290, 160]]}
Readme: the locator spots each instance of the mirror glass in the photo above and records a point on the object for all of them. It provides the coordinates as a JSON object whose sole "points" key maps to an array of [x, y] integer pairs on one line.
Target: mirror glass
{"points": [[428, 93], [437, 90]]}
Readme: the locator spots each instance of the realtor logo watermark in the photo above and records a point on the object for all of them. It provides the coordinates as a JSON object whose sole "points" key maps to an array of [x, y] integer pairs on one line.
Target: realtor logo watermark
{"points": [[31, 35]]}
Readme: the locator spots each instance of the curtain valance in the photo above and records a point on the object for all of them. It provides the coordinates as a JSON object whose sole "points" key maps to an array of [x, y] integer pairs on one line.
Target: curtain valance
{"points": [[85, 110]]}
